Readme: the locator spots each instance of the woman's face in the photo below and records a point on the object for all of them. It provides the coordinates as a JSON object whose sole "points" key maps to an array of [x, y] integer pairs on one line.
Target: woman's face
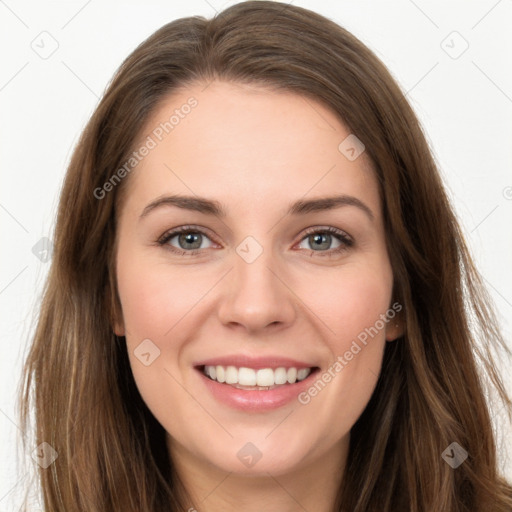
{"points": [[257, 281]]}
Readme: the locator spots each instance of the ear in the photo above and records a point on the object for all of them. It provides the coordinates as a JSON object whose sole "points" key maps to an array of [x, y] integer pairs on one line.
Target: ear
{"points": [[115, 309], [394, 331], [116, 318], [119, 328], [395, 327]]}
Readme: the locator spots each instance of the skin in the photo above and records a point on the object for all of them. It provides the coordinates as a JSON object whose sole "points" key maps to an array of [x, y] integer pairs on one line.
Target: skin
{"points": [[255, 151]]}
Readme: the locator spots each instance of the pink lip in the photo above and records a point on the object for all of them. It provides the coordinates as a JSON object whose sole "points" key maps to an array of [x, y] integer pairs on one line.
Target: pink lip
{"points": [[255, 400], [254, 362]]}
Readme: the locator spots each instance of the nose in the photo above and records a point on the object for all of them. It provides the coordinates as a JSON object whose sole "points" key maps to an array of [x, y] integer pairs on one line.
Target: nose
{"points": [[256, 296]]}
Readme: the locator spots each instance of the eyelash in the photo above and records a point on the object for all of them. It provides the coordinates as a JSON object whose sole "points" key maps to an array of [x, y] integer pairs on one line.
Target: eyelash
{"points": [[346, 241]]}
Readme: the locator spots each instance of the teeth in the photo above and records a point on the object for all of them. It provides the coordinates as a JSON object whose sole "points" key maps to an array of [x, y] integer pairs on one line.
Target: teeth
{"points": [[280, 376], [291, 375], [221, 374], [303, 373], [264, 377]]}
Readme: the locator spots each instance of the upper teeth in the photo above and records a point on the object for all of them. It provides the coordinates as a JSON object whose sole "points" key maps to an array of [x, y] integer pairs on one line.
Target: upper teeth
{"points": [[251, 377]]}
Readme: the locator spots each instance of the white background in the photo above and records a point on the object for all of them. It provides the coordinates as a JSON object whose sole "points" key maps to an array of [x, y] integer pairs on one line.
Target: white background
{"points": [[464, 104]]}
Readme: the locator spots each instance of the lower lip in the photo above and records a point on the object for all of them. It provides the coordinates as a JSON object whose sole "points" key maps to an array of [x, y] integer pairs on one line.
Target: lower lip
{"points": [[255, 400]]}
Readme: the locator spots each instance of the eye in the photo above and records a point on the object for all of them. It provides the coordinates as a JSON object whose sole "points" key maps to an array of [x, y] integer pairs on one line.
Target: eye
{"points": [[185, 240], [320, 240], [190, 240]]}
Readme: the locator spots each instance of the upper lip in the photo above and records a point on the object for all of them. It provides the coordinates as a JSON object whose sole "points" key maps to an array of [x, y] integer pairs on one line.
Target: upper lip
{"points": [[240, 360]]}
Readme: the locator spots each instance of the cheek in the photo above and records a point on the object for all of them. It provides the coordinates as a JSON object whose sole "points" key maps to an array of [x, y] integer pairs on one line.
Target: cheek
{"points": [[152, 304], [159, 304], [351, 301], [154, 298], [352, 306]]}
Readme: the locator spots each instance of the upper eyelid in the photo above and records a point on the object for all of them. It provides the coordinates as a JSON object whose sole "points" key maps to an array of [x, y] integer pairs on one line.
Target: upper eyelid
{"points": [[185, 229]]}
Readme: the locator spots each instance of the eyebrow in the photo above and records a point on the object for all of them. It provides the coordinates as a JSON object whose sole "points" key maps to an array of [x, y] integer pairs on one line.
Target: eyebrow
{"points": [[212, 207]]}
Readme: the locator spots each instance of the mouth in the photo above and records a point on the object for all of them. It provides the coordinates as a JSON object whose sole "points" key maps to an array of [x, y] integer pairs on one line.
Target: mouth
{"points": [[256, 379]]}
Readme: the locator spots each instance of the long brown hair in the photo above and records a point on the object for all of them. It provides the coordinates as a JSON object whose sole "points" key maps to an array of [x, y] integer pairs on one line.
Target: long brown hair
{"points": [[431, 391]]}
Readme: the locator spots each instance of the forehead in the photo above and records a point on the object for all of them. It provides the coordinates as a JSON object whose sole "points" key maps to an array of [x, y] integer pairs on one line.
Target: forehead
{"points": [[236, 142]]}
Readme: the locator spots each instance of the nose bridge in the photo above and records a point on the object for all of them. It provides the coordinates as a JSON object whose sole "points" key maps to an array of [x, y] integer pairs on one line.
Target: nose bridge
{"points": [[255, 297]]}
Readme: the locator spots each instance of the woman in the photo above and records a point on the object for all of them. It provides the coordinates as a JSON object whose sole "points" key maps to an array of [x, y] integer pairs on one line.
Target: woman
{"points": [[260, 297]]}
